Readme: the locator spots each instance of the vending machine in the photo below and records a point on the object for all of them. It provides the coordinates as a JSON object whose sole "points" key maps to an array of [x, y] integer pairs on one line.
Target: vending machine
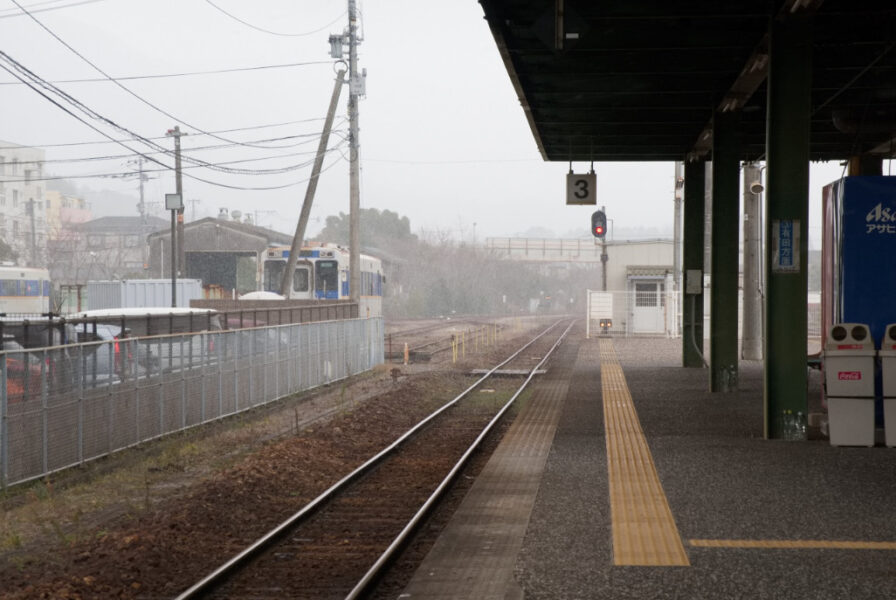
{"points": [[859, 258]]}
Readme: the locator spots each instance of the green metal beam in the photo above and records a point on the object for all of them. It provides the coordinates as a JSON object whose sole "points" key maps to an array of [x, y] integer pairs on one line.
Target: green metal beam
{"points": [[725, 243], [692, 260], [787, 210]]}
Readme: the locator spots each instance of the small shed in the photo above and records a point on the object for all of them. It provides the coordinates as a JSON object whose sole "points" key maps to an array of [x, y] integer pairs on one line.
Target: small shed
{"points": [[221, 251]]}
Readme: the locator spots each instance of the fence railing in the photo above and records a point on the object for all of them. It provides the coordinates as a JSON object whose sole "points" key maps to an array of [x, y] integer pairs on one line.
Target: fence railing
{"points": [[65, 405], [659, 313]]}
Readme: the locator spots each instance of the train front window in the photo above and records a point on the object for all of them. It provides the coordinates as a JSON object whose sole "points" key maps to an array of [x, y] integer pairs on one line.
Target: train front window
{"points": [[326, 276], [273, 275], [300, 280]]}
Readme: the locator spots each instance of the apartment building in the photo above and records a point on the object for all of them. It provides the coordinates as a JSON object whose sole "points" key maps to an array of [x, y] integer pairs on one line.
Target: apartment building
{"points": [[23, 206]]}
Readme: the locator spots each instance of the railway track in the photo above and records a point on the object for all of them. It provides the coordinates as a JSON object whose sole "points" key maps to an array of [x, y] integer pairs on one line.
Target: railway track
{"points": [[339, 544], [426, 342]]}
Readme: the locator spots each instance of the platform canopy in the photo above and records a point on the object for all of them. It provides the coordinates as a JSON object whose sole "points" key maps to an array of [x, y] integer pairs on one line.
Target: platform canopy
{"points": [[639, 80]]}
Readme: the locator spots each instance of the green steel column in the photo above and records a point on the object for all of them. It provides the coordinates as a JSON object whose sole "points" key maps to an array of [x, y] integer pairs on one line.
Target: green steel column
{"points": [[787, 214], [723, 355], [692, 304]]}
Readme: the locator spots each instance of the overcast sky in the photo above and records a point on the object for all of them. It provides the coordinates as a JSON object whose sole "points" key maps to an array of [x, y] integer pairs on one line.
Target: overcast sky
{"points": [[443, 138]]}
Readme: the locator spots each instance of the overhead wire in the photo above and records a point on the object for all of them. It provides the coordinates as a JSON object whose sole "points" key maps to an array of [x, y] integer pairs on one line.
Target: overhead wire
{"points": [[312, 138], [268, 31], [32, 80], [162, 137], [118, 83], [134, 173], [96, 116], [185, 74], [19, 14]]}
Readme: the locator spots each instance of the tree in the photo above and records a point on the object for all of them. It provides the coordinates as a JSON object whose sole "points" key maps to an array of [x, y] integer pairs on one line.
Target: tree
{"points": [[7, 253], [377, 228]]}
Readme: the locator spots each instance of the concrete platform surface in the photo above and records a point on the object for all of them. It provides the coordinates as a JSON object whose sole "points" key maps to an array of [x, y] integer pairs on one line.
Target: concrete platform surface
{"points": [[621, 458]]}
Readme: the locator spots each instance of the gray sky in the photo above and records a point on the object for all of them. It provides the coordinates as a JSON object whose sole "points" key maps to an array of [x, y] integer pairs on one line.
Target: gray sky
{"points": [[443, 138]]}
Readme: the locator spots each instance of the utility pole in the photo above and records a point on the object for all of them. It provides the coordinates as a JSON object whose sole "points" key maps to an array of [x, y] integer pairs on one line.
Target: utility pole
{"points": [[286, 282], [181, 256], [193, 204], [30, 210], [141, 208], [354, 89], [141, 177]]}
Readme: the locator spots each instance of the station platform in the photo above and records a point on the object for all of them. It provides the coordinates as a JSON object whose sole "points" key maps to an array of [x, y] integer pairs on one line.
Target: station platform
{"points": [[623, 477]]}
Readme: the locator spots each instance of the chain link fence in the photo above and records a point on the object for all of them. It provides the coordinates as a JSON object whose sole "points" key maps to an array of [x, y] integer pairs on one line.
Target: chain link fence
{"points": [[65, 405]]}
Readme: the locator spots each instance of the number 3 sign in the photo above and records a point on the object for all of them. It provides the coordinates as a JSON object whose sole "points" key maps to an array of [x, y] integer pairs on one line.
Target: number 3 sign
{"points": [[581, 189]]}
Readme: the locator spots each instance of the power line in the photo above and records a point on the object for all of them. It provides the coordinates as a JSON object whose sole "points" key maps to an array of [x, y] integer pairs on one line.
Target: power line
{"points": [[274, 171], [186, 74], [113, 80], [34, 78], [21, 72], [313, 137], [250, 25], [18, 12], [161, 137]]}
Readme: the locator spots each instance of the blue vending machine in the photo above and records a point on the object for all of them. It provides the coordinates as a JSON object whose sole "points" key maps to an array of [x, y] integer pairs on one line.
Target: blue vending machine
{"points": [[859, 257]]}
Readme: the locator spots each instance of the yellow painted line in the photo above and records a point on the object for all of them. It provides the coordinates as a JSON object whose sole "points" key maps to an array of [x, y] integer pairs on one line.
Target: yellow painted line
{"points": [[644, 531], [795, 544]]}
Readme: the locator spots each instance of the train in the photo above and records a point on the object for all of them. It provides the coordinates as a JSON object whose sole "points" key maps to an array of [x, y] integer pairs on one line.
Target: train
{"points": [[322, 273], [24, 291]]}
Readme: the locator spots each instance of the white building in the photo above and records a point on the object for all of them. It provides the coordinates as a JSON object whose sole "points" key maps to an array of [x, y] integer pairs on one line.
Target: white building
{"points": [[23, 207], [638, 273]]}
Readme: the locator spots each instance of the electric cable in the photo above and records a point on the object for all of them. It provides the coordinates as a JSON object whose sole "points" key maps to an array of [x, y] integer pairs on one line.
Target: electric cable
{"points": [[314, 138], [93, 114], [162, 137], [119, 84], [274, 171], [18, 73], [250, 25], [185, 74], [18, 12]]}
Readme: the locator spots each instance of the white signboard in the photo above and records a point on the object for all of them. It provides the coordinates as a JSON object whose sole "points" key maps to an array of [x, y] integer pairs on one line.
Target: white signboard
{"points": [[785, 246], [581, 189], [173, 202]]}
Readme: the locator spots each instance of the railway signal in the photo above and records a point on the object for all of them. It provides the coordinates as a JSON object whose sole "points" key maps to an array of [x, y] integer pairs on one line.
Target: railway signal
{"points": [[599, 224]]}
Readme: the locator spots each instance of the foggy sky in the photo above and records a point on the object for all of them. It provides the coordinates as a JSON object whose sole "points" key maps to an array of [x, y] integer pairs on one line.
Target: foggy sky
{"points": [[443, 138]]}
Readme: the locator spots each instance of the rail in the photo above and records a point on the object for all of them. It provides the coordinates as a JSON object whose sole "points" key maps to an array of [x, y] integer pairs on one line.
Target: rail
{"points": [[241, 559]]}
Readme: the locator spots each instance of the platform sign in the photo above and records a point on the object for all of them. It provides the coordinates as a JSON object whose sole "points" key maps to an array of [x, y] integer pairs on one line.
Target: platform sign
{"points": [[581, 189], [785, 246]]}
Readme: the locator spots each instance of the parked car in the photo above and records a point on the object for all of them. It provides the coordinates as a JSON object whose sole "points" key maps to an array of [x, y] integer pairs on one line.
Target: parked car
{"points": [[120, 357]]}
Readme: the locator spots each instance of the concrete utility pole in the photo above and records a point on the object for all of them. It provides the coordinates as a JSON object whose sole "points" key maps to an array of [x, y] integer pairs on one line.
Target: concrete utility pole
{"points": [[30, 210], [181, 256], [355, 90], [751, 342], [141, 208], [286, 283]]}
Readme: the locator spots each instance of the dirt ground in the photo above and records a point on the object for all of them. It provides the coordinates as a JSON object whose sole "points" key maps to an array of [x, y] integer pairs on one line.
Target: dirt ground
{"points": [[147, 522]]}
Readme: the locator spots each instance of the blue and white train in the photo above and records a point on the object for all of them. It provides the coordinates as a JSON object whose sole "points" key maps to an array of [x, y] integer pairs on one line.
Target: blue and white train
{"points": [[24, 291], [322, 273]]}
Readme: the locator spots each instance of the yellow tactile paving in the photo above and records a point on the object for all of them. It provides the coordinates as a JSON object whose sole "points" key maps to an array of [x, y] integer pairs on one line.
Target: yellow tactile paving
{"points": [[644, 531], [795, 544]]}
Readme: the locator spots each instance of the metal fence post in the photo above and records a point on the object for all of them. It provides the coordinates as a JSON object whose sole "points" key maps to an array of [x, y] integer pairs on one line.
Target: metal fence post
{"points": [[4, 427]]}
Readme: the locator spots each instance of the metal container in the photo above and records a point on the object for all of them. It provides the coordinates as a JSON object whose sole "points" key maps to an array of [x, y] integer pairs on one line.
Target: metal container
{"points": [[140, 293]]}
